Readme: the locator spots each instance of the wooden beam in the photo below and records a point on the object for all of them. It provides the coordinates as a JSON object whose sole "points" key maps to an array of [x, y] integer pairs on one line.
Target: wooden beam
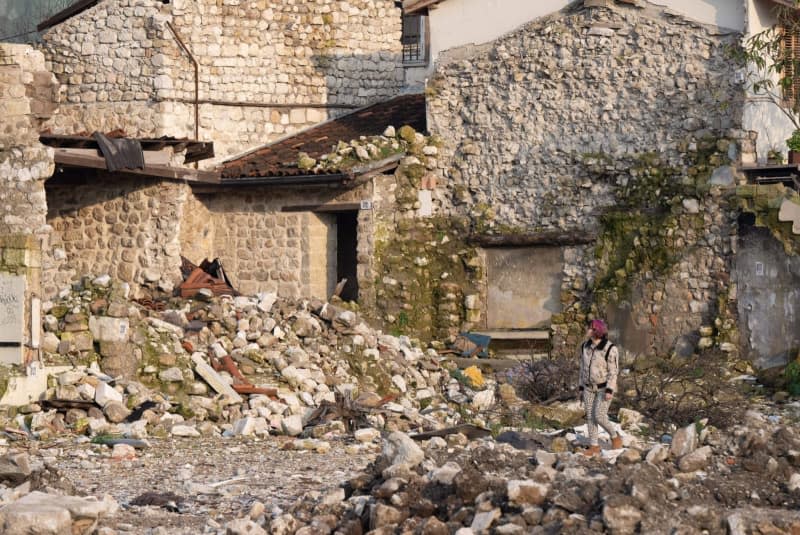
{"points": [[151, 157], [789, 3], [326, 207], [552, 237], [411, 6], [364, 172], [526, 334], [67, 158]]}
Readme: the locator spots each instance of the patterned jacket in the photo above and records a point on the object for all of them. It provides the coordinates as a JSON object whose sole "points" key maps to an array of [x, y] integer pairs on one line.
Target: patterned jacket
{"points": [[599, 366]]}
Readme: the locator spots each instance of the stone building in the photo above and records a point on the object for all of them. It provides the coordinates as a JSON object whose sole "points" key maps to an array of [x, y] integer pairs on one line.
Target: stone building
{"points": [[237, 73], [588, 162], [596, 152]]}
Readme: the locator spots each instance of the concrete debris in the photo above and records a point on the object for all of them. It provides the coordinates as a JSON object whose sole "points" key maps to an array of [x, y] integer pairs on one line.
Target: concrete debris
{"points": [[326, 386]]}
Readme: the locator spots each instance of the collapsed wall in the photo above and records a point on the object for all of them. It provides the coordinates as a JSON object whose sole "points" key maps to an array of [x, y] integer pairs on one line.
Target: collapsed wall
{"points": [[617, 128]]}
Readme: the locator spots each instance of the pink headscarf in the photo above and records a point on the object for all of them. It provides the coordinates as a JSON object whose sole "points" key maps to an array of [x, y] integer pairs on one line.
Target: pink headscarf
{"points": [[599, 327]]}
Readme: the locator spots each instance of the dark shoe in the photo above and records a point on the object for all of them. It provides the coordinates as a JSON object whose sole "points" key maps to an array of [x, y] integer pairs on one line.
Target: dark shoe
{"points": [[616, 443], [591, 451]]}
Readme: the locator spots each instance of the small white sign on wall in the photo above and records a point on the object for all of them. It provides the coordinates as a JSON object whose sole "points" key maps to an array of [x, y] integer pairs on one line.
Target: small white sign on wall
{"points": [[12, 312], [425, 199]]}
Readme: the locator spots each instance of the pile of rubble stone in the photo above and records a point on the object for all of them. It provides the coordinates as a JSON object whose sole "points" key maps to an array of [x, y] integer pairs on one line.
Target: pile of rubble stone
{"points": [[746, 481], [154, 368], [216, 367]]}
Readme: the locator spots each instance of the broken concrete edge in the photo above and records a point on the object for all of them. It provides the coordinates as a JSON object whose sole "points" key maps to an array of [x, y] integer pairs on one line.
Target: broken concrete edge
{"points": [[214, 379], [29, 388]]}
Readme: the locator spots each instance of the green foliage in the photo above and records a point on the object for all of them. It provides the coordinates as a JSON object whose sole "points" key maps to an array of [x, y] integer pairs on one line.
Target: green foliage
{"points": [[792, 374], [459, 376], [771, 66], [401, 324], [794, 142]]}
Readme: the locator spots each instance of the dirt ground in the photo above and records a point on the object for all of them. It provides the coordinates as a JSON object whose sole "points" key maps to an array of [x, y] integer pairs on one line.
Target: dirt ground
{"points": [[213, 480]]}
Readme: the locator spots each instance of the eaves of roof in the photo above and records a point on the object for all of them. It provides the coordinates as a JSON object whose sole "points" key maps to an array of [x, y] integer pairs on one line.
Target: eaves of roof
{"points": [[66, 13], [195, 150], [349, 178], [790, 3]]}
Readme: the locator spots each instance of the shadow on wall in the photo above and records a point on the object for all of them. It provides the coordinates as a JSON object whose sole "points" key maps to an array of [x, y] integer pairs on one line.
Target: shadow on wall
{"points": [[267, 249], [360, 79]]}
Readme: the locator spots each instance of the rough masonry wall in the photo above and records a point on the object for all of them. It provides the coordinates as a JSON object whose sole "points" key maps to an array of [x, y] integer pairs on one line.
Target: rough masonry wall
{"points": [[283, 61], [295, 54], [28, 93], [128, 228], [109, 60], [563, 125], [263, 248]]}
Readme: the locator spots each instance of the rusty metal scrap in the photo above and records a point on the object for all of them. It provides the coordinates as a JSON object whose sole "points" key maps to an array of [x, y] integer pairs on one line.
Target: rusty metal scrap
{"points": [[240, 384], [208, 275], [352, 412]]}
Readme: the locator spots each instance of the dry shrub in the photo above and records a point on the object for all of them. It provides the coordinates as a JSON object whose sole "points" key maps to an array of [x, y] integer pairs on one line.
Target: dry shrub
{"points": [[546, 380], [681, 390]]}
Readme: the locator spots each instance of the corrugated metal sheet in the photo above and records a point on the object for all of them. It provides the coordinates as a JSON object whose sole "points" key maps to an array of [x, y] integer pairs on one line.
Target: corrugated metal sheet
{"points": [[120, 153]]}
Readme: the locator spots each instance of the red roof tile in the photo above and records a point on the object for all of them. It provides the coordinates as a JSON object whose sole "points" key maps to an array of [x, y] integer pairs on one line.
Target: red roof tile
{"points": [[279, 159]]}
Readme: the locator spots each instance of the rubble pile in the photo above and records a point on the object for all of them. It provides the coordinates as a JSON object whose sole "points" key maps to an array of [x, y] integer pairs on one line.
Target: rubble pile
{"points": [[746, 481], [234, 365], [306, 395], [35, 498]]}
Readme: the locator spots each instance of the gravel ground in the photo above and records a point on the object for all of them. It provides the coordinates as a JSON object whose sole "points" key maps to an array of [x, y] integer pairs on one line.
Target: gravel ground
{"points": [[215, 479]]}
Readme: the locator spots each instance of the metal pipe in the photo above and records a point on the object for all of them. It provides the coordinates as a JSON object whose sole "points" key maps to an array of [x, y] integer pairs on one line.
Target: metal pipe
{"points": [[196, 81]]}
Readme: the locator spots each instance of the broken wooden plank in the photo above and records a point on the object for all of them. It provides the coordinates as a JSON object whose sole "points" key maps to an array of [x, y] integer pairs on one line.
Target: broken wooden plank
{"points": [[470, 431], [523, 334], [68, 158], [214, 379]]}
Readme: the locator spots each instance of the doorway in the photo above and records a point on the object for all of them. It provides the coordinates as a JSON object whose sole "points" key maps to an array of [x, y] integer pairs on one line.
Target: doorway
{"points": [[347, 253]]}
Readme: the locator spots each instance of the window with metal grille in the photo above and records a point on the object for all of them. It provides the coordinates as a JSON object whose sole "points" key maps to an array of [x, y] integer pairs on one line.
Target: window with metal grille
{"points": [[791, 65], [414, 38]]}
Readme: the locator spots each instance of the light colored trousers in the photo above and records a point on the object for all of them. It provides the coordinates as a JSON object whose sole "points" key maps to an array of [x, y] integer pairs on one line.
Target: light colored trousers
{"points": [[597, 413]]}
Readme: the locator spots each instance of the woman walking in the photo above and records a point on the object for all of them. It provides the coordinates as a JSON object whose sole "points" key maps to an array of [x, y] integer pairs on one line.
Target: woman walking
{"points": [[598, 382]]}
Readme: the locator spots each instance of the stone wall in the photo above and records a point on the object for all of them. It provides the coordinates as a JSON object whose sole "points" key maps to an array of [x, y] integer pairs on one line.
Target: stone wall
{"points": [[28, 95], [263, 248], [126, 228], [109, 62], [284, 62], [616, 123]]}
